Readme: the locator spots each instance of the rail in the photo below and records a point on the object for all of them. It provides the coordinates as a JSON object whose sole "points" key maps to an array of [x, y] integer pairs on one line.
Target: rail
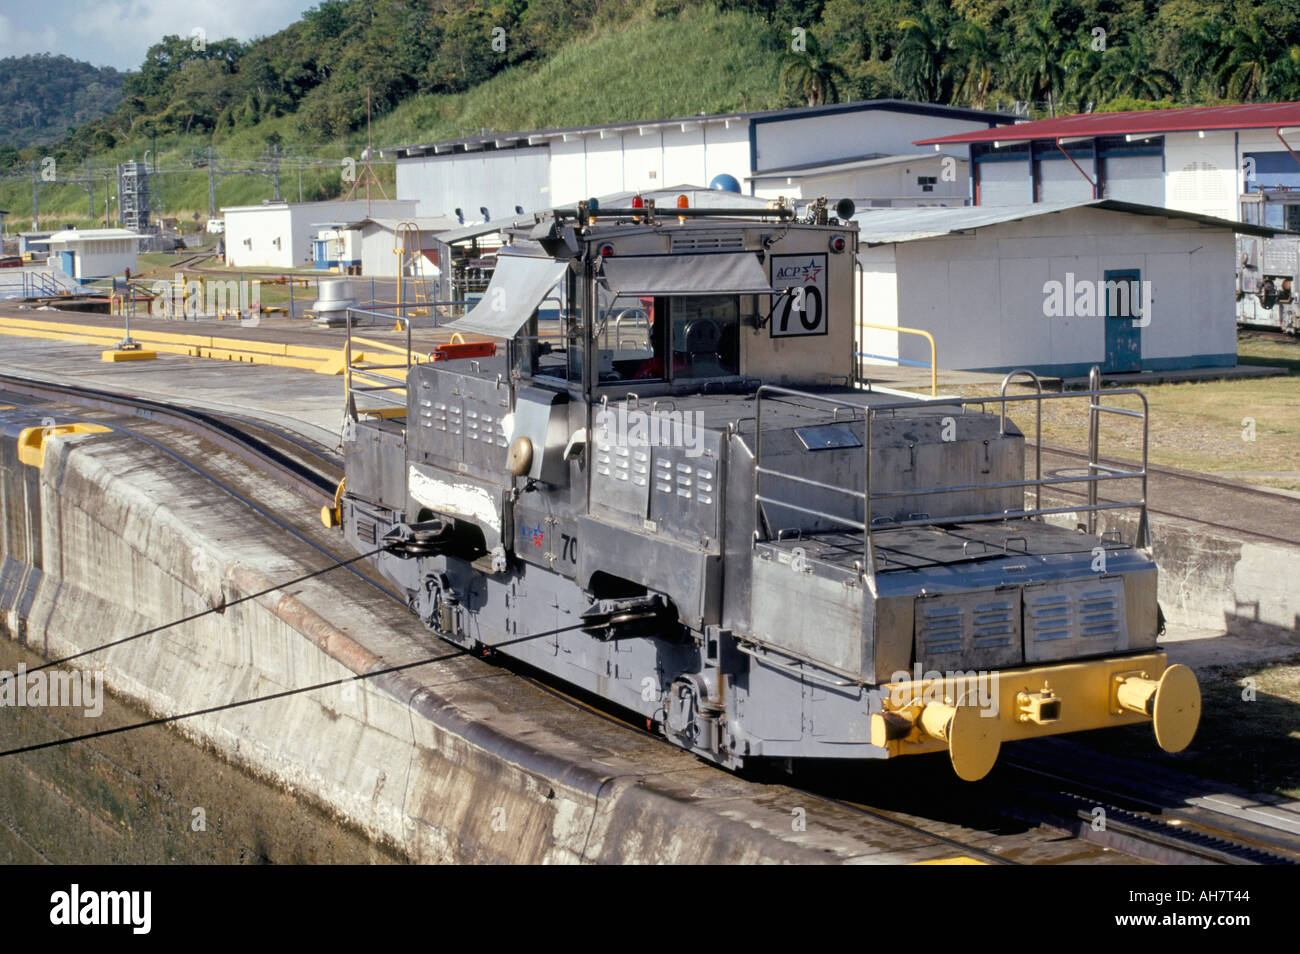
{"points": [[868, 494], [361, 375], [934, 351]]}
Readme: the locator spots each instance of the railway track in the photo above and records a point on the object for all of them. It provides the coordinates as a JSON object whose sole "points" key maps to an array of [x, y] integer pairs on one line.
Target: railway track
{"points": [[1277, 510], [1030, 791]]}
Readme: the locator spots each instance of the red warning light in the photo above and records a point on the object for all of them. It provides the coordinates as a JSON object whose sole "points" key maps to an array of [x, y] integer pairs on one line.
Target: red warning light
{"points": [[638, 202], [683, 202]]}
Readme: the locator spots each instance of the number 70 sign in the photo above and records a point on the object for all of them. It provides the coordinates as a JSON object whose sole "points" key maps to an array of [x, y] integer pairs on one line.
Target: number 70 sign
{"points": [[802, 311]]}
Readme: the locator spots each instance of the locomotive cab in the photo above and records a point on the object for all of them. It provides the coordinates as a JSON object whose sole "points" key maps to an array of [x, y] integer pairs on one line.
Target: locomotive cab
{"points": [[673, 488]]}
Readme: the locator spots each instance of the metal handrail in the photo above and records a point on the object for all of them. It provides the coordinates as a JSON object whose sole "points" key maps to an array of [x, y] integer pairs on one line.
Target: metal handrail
{"points": [[1038, 420], [934, 350], [868, 551], [1097, 472]]}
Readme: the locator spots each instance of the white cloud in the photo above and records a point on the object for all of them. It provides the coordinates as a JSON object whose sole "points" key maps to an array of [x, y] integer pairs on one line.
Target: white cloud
{"points": [[119, 32]]}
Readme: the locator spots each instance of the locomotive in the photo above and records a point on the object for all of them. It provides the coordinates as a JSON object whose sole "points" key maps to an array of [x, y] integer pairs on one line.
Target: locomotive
{"points": [[671, 487]]}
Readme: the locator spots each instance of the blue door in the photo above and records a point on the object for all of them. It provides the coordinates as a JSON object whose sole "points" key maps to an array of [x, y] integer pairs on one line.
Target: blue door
{"points": [[1122, 296], [69, 265]]}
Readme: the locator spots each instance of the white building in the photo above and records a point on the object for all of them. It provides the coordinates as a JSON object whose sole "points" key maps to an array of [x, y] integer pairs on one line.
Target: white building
{"points": [[497, 176], [380, 243], [281, 234], [94, 253], [1025, 286], [1233, 162], [872, 181]]}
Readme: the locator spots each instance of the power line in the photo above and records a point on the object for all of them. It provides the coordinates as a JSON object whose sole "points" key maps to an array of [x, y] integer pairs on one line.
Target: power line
{"points": [[189, 619], [285, 693]]}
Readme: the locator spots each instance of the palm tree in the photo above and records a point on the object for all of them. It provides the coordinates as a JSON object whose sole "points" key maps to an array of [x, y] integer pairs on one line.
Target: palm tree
{"points": [[1249, 54], [1201, 53], [812, 74], [1127, 70], [1082, 67], [1039, 71], [975, 60], [1285, 75], [918, 63]]}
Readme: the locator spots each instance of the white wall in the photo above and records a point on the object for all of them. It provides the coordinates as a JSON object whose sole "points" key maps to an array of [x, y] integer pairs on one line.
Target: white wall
{"points": [[280, 236], [105, 259], [893, 185], [1203, 174], [981, 295], [632, 161], [259, 237], [378, 258], [499, 180], [877, 302], [799, 140]]}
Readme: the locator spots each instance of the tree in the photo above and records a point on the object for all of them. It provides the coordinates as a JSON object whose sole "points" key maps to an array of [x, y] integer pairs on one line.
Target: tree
{"points": [[811, 74], [919, 65], [1039, 69], [1127, 70], [975, 63], [1249, 52]]}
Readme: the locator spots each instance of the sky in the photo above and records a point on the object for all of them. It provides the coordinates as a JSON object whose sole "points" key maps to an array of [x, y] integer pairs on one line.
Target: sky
{"points": [[118, 33]]}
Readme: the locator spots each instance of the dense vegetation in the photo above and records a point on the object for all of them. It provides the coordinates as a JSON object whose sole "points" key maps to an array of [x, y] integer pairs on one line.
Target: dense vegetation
{"points": [[43, 96], [445, 68]]}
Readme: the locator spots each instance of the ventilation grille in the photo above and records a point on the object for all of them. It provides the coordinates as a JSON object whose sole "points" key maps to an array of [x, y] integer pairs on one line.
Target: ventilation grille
{"points": [[708, 243], [366, 531], [1080, 618], [968, 630]]}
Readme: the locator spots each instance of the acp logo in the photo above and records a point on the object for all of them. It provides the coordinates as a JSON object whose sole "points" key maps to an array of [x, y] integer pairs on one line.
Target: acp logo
{"points": [[807, 273], [536, 534]]}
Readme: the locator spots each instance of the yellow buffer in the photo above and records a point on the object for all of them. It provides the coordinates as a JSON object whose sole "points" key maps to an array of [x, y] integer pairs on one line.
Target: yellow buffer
{"points": [[33, 440]]}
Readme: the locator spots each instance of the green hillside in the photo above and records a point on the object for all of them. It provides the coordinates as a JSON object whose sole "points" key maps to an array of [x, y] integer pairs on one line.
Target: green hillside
{"points": [[44, 96], [603, 76]]}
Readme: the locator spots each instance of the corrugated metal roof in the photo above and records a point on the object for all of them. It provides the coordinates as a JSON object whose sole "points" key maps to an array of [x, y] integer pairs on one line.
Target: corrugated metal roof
{"points": [[514, 140], [1153, 121], [886, 226]]}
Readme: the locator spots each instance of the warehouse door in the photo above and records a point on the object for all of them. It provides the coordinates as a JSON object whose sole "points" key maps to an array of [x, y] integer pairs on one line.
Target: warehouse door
{"points": [[1122, 300], [69, 266]]}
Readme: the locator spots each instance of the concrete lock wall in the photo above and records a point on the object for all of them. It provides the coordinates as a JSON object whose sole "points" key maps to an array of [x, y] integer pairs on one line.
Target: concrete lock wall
{"points": [[427, 763]]}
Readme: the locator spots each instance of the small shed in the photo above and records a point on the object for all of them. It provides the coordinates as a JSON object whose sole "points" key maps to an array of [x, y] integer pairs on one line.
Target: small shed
{"points": [[94, 253], [31, 243], [380, 240], [1055, 287]]}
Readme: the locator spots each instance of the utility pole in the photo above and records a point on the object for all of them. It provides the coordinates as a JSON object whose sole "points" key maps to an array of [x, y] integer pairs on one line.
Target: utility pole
{"points": [[212, 186], [275, 157], [36, 188], [90, 185]]}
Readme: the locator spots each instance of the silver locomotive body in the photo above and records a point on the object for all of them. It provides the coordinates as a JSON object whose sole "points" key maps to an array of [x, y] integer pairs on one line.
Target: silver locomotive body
{"points": [[677, 495]]}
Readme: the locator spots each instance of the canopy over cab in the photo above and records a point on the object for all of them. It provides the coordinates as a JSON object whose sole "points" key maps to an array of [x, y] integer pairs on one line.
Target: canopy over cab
{"points": [[673, 303]]}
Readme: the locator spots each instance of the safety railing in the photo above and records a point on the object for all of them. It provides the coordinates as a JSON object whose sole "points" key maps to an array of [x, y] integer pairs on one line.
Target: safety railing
{"points": [[934, 352], [1097, 472]]}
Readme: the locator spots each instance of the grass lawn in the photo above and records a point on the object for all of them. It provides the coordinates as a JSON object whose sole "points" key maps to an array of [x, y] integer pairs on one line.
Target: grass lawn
{"points": [[1247, 430]]}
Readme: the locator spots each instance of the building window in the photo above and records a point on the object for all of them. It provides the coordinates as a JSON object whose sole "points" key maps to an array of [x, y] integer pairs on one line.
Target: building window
{"points": [[926, 183]]}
